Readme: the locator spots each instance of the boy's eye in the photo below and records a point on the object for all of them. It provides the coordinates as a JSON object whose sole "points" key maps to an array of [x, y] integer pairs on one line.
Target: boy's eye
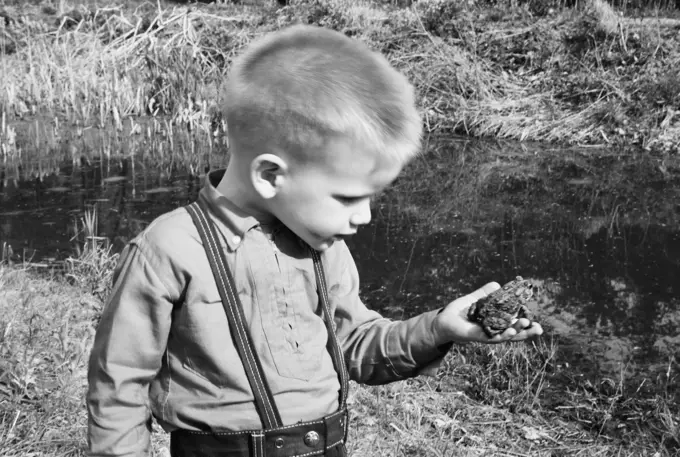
{"points": [[348, 200]]}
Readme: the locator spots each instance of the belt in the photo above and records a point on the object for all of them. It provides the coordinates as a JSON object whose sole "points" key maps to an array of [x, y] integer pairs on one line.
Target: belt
{"points": [[303, 439]]}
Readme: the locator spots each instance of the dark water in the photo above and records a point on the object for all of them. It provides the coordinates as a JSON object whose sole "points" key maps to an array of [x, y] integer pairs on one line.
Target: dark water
{"points": [[597, 231]]}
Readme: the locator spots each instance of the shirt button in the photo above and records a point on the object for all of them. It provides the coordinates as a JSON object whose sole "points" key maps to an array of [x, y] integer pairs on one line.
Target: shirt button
{"points": [[236, 239]]}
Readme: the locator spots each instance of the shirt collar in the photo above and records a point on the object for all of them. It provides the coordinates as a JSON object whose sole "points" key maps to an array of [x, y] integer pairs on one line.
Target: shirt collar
{"points": [[234, 222]]}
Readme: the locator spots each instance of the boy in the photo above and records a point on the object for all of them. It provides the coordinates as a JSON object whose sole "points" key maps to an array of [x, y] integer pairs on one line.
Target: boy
{"points": [[237, 321]]}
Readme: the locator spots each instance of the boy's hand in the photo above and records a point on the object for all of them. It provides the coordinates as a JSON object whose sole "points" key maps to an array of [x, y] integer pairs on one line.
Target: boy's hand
{"points": [[452, 324]]}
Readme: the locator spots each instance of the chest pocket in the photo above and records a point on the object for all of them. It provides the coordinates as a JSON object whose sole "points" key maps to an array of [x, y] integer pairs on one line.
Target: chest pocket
{"points": [[294, 335]]}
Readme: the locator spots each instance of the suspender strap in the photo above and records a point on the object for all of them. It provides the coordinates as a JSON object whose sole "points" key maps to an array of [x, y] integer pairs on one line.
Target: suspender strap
{"points": [[264, 400], [335, 350], [257, 447]]}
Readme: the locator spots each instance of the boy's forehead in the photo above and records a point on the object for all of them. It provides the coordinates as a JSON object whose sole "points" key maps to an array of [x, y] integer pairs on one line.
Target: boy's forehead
{"points": [[346, 155], [365, 173]]}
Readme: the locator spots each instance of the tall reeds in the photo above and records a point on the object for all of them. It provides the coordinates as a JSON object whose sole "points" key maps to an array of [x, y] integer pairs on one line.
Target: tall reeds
{"points": [[106, 65], [91, 266]]}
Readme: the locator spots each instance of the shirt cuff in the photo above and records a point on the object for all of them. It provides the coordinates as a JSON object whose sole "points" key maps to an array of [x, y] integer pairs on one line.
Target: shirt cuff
{"points": [[427, 354]]}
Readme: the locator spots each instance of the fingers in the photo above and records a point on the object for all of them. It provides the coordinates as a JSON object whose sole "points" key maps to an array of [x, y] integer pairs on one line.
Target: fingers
{"points": [[522, 323], [523, 329], [534, 330], [520, 334]]}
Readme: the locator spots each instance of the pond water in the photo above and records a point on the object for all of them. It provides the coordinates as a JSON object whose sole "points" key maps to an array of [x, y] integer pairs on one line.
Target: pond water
{"points": [[597, 231]]}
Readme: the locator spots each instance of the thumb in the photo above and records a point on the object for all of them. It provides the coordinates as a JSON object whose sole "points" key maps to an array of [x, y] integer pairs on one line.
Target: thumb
{"points": [[483, 291]]}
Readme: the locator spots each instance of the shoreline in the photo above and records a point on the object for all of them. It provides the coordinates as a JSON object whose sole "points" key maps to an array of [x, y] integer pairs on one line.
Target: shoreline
{"points": [[517, 71]]}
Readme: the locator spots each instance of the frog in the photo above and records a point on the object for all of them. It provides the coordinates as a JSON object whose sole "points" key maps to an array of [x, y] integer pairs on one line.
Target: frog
{"points": [[502, 308]]}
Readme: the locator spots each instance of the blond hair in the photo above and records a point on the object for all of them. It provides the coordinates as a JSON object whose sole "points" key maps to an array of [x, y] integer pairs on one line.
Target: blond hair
{"points": [[295, 88]]}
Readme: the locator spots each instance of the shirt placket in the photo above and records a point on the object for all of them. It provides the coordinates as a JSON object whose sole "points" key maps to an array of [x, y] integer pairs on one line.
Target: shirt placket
{"points": [[284, 305]]}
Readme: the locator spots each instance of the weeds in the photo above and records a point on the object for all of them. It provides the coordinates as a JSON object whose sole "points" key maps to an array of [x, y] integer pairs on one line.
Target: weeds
{"points": [[519, 398], [606, 19], [46, 331], [500, 401], [92, 267], [7, 254], [577, 74], [505, 77], [45, 336], [519, 369]]}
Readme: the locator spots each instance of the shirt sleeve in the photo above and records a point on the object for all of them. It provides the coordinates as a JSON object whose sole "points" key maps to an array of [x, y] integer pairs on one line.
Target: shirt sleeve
{"points": [[127, 353], [378, 350]]}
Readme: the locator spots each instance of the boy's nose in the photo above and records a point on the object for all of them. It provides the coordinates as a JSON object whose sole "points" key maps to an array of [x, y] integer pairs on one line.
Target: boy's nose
{"points": [[363, 214]]}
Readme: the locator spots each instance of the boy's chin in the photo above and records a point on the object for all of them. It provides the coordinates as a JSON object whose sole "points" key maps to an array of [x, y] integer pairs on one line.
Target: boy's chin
{"points": [[323, 245], [319, 242]]}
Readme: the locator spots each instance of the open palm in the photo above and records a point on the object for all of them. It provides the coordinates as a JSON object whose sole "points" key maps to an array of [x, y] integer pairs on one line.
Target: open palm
{"points": [[454, 325]]}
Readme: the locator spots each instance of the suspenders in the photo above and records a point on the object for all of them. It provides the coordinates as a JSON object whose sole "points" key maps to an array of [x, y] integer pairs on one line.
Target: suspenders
{"points": [[264, 400]]}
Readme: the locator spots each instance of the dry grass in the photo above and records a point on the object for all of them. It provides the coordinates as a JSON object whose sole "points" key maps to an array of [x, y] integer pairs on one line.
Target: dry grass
{"points": [[608, 21], [46, 332], [102, 66], [499, 81], [91, 268], [515, 399]]}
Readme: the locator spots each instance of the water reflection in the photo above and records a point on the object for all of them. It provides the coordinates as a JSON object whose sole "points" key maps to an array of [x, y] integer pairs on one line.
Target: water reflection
{"points": [[598, 232], [38, 211]]}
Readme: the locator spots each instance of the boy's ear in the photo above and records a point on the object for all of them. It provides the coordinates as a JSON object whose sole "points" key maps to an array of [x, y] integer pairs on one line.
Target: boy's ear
{"points": [[268, 173]]}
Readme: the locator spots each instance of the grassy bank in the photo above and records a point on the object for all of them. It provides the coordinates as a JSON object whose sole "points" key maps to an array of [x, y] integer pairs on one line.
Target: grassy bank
{"points": [[520, 70], [587, 74], [510, 400]]}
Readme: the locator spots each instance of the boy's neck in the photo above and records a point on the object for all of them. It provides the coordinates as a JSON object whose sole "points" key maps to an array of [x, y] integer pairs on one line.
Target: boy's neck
{"points": [[235, 187]]}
